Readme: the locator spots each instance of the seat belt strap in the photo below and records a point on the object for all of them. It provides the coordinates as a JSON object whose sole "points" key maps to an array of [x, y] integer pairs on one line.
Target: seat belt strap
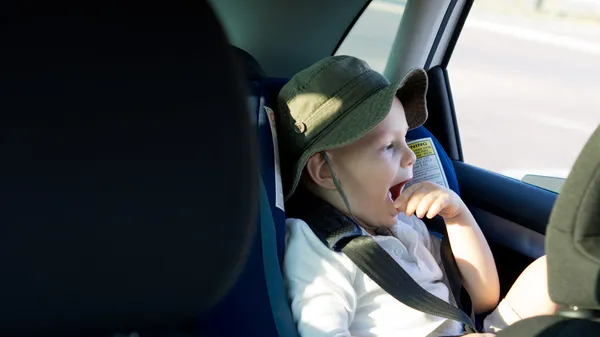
{"points": [[451, 270], [282, 317], [376, 263]]}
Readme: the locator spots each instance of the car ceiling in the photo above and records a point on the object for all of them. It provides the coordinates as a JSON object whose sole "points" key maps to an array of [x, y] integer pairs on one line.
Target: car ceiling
{"points": [[287, 36]]}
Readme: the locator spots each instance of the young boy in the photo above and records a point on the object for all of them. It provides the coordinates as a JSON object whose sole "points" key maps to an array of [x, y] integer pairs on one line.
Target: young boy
{"points": [[342, 129]]}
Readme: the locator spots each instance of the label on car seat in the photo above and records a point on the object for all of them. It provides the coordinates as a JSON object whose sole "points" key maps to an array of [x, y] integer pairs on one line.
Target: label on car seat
{"points": [[428, 166], [279, 200]]}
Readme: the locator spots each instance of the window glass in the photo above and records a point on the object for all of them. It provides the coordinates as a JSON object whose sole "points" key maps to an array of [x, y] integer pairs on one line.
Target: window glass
{"points": [[372, 36], [525, 78]]}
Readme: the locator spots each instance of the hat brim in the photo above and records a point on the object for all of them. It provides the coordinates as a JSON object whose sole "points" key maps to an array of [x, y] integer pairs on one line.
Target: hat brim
{"points": [[411, 90]]}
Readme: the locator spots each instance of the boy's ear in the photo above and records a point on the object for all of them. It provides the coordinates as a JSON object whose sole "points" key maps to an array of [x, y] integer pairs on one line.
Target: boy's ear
{"points": [[318, 171]]}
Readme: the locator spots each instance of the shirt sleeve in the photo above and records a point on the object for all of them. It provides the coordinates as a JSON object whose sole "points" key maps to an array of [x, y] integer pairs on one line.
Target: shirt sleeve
{"points": [[319, 283]]}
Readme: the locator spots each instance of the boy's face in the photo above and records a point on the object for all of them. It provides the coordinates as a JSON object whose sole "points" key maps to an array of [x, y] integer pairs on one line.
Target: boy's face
{"points": [[374, 169]]}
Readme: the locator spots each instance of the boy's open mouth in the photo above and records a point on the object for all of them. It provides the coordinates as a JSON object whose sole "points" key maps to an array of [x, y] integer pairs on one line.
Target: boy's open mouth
{"points": [[396, 190]]}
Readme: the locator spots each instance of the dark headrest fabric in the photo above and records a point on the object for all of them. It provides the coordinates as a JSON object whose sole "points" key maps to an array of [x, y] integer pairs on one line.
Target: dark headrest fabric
{"points": [[573, 234], [252, 68], [128, 174]]}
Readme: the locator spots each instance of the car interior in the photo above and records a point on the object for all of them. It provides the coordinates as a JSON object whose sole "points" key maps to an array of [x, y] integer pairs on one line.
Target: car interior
{"points": [[134, 128]]}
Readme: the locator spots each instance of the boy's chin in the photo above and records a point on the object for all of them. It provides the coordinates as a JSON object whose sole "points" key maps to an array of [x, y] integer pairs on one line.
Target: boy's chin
{"points": [[390, 221]]}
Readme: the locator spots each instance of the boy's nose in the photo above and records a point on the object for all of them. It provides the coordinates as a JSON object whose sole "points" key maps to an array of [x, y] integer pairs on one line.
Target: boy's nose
{"points": [[408, 157]]}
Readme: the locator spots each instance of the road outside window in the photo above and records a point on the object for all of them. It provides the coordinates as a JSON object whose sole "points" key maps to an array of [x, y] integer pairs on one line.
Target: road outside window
{"points": [[525, 78]]}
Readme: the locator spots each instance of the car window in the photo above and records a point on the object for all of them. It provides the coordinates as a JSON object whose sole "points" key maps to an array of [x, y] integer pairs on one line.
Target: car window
{"points": [[372, 36], [525, 82]]}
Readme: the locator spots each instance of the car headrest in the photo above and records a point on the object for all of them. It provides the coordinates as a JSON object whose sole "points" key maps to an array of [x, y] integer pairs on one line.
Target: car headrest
{"points": [[250, 65], [124, 131], [573, 234]]}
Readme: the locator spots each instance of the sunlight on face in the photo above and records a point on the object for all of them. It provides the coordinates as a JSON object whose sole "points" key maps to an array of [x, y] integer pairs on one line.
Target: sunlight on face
{"points": [[371, 166]]}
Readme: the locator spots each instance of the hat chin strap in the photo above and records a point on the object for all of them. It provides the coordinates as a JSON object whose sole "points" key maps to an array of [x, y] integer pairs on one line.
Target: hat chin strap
{"points": [[338, 186]]}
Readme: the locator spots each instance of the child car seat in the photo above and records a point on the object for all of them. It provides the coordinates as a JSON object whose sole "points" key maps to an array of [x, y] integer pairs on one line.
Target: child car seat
{"points": [[258, 304]]}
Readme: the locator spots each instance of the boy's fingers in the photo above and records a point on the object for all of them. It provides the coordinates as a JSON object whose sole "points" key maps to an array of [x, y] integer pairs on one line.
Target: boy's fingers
{"points": [[414, 201], [437, 206], [425, 204], [402, 200]]}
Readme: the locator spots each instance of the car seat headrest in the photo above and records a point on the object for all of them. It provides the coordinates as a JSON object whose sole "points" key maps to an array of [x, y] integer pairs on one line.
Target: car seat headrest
{"points": [[124, 132], [573, 234], [250, 65]]}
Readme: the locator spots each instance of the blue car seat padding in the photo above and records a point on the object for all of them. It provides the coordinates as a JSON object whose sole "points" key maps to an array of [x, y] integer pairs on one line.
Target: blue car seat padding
{"points": [[257, 305]]}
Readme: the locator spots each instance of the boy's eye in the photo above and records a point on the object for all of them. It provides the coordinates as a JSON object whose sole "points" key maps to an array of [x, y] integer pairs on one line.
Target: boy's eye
{"points": [[389, 146]]}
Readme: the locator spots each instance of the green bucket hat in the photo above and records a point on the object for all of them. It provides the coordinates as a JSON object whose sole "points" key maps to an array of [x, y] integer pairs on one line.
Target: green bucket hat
{"points": [[335, 102]]}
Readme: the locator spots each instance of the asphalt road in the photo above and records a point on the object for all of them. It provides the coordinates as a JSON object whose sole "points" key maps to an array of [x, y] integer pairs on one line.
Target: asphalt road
{"points": [[526, 96]]}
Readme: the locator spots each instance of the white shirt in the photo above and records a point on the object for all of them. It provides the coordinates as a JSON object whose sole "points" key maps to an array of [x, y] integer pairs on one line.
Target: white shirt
{"points": [[331, 296]]}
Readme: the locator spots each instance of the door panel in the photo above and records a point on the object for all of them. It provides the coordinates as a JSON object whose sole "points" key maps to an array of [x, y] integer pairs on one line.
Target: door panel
{"points": [[509, 234], [526, 205]]}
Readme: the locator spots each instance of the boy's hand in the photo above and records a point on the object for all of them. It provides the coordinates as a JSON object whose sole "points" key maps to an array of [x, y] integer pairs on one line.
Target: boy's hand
{"points": [[471, 251], [429, 199]]}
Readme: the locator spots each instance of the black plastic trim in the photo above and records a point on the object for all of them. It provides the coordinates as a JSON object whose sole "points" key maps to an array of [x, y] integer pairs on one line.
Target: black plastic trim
{"points": [[508, 198], [440, 33], [458, 143], [442, 122], [457, 30]]}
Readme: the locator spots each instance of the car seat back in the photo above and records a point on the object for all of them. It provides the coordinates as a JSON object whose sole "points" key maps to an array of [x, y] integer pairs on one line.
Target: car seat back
{"points": [[117, 205], [446, 162]]}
